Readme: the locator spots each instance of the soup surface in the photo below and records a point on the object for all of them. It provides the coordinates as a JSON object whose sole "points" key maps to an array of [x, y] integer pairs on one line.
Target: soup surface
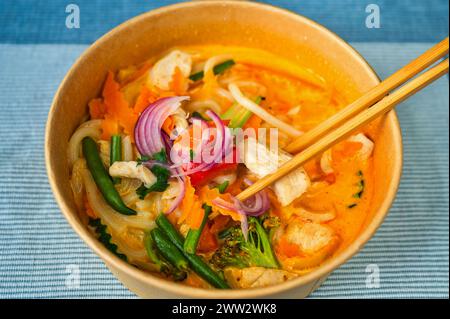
{"points": [[166, 147]]}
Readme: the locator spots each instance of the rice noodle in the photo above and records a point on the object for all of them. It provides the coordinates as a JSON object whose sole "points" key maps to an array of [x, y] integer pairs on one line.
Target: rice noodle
{"points": [[259, 111], [225, 94], [77, 183], [127, 149], [212, 62], [109, 216], [89, 128]]}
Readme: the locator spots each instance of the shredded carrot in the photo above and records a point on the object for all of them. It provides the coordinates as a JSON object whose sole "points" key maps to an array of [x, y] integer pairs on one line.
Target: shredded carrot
{"points": [[178, 82], [207, 196], [144, 99], [109, 127], [188, 200], [97, 109], [116, 105], [192, 212], [168, 125]]}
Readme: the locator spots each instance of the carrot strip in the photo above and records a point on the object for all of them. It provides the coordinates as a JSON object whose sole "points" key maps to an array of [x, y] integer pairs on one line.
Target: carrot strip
{"points": [[207, 196], [116, 105], [97, 109]]}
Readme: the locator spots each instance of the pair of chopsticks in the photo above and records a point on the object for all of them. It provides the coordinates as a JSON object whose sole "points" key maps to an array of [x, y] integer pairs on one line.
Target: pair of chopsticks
{"points": [[365, 109]]}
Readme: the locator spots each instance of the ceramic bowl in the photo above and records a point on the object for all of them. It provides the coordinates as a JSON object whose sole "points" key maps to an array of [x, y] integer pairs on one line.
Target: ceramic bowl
{"points": [[228, 23]]}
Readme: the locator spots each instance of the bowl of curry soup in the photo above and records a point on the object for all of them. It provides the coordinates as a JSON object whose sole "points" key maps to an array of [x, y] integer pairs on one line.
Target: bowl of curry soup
{"points": [[157, 203]]}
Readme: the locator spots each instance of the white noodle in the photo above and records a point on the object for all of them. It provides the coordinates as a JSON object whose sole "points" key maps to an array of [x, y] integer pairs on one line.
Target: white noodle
{"points": [[108, 215], [127, 149], [89, 128], [212, 62], [259, 111]]}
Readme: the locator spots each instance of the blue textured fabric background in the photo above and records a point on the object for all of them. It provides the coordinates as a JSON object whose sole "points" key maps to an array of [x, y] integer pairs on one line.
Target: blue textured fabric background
{"points": [[36, 243]]}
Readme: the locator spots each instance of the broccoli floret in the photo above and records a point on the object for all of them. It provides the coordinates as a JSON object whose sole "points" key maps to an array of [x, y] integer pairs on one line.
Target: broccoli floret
{"points": [[238, 252]]}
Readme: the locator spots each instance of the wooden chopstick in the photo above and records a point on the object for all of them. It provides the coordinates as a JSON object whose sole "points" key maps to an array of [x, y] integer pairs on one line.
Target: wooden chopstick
{"points": [[372, 96], [343, 131]]}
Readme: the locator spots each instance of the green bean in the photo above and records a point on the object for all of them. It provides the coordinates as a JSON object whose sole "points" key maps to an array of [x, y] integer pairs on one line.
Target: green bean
{"points": [[193, 236], [219, 68], [197, 264], [149, 245], [115, 153], [168, 250], [102, 178]]}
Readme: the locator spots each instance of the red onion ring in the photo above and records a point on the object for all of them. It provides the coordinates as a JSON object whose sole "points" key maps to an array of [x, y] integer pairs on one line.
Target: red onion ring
{"points": [[222, 145], [147, 133], [254, 206]]}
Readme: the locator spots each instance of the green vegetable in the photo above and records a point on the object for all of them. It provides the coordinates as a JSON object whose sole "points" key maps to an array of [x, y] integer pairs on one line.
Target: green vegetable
{"points": [[193, 236], [361, 187], [218, 69], [164, 266], [223, 187], [102, 178], [168, 249], [162, 175], [104, 237], [239, 115], [115, 153], [241, 253], [352, 205], [196, 262], [161, 156]]}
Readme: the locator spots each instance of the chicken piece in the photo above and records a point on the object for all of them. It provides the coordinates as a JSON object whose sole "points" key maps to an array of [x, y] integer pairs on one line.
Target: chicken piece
{"points": [[161, 74], [254, 277], [367, 146], [310, 237], [263, 161], [132, 170]]}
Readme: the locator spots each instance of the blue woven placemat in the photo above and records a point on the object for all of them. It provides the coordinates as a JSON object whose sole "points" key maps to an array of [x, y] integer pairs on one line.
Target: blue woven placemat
{"points": [[38, 248]]}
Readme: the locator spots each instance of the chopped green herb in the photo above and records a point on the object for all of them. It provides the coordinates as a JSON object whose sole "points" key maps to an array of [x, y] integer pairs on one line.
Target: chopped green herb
{"points": [[162, 175], [223, 187], [361, 185], [142, 159], [352, 205], [161, 156], [191, 154], [218, 69], [104, 237]]}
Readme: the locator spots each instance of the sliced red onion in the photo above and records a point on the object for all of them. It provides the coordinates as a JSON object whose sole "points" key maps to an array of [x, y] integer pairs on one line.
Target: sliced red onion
{"points": [[217, 149], [235, 208], [147, 133], [254, 206]]}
